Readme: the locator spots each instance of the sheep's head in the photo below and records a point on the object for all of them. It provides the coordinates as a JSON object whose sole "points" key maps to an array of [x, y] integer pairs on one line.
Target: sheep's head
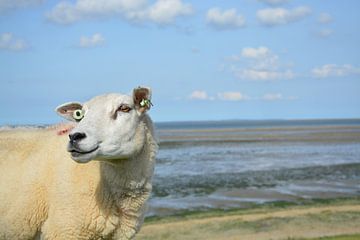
{"points": [[108, 126]]}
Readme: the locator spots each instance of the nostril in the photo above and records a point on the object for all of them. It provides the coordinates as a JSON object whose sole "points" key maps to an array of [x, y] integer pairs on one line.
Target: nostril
{"points": [[77, 136]]}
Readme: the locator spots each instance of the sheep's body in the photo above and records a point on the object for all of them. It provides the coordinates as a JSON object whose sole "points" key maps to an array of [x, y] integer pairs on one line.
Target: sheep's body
{"points": [[44, 194]]}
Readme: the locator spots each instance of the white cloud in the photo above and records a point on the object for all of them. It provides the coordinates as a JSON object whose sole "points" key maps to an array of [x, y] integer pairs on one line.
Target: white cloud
{"points": [[161, 12], [325, 18], [334, 70], [68, 12], [261, 58], [274, 2], [263, 75], [280, 16], [232, 96], [227, 19], [260, 52], [9, 42], [93, 41], [236, 96], [195, 50], [223, 96], [277, 97], [272, 96], [259, 64], [6, 5], [199, 95], [324, 33]]}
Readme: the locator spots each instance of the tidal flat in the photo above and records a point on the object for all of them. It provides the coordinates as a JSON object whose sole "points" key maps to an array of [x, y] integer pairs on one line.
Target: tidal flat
{"points": [[236, 164]]}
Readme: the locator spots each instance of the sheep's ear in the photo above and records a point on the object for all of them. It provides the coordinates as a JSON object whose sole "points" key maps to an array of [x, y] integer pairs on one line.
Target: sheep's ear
{"points": [[66, 110], [142, 99]]}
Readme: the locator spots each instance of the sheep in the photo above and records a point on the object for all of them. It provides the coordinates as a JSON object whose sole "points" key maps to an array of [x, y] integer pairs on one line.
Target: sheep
{"points": [[101, 193]]}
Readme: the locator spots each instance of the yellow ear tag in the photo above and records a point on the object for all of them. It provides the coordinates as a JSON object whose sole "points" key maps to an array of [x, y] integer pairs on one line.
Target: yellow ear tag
{"points": [[78, 114]]}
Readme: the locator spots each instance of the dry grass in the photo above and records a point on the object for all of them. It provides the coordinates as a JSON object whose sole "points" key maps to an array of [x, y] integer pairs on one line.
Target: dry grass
{"points": [[296, 222]]}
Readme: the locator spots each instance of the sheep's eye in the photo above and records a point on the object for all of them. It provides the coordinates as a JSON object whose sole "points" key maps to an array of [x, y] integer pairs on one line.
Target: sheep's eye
{"points": [[78, 114], [124, 108]]}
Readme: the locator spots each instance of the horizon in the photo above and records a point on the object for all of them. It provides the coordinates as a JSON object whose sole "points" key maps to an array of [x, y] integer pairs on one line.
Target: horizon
{"points": [[247, 59], [335, 121], [265, 119]]}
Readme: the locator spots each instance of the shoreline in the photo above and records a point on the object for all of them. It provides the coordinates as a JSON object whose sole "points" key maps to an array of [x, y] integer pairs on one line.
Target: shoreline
{"points": [[254, 208], [277, 220]]}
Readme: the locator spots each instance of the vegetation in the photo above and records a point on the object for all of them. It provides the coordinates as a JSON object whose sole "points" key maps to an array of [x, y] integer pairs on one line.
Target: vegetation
{"points": [[339, 219]]}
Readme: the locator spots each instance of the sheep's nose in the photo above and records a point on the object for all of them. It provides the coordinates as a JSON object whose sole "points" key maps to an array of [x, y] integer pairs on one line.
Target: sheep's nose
{"points": [[76, 137]]}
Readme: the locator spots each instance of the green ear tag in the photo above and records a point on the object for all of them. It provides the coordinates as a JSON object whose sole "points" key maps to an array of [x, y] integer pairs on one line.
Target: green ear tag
{"points": [[145, 102], [78, 114]]}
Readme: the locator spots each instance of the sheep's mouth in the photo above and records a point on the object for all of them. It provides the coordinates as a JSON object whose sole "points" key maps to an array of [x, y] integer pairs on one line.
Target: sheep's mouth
{"points": [[75, 152]]}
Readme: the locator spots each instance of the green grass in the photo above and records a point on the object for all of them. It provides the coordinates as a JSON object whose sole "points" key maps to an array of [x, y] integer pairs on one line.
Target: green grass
{"points": [[342, 237], [320, 223], [273, 223]]}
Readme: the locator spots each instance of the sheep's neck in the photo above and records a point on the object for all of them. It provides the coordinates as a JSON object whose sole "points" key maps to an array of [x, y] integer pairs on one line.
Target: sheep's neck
{"points": [[122, 176]]}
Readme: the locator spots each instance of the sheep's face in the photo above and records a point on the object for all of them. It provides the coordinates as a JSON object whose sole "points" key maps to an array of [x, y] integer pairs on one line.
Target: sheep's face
{"points": [[108, 126]]}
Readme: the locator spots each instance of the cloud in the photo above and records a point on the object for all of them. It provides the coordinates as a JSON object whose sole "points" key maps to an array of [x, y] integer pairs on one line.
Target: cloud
{"points": [[263, 75], [195, 50], [222, 20], [281, 16], [68, 12], [199, 95], [93, 41], [236, 96], [261, 58], [232, 96], [325, 18], [274, 2], [272, 96], [258, 64], [161, 12], [276, 97], [223, 96], [7, 5], [9, 42], [324, 33], [260, 52], [334, 70]]}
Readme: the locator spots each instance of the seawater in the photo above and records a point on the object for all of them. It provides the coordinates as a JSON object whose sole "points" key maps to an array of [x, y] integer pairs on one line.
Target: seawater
{"points": [[229, 164]]}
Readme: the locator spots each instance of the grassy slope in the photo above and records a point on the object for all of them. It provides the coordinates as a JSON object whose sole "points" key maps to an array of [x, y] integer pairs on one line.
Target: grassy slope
{"points": [[340, 237], [271, 221], [344, 237]]}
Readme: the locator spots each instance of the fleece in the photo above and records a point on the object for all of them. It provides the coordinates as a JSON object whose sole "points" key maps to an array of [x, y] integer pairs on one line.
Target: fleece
{"points": [[44, 194]]}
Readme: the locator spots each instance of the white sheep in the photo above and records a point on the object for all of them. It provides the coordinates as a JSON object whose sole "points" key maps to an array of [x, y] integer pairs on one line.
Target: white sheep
{"points": [[46, 195]]}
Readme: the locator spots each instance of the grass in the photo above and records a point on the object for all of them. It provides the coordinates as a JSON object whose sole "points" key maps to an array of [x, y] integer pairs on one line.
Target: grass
{"points": [[348, 237], [276, 220], [342, 237], [273, 223]]}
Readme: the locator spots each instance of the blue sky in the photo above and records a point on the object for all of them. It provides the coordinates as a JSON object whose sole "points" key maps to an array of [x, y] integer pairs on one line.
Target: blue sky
{"points": [[205, 60]]}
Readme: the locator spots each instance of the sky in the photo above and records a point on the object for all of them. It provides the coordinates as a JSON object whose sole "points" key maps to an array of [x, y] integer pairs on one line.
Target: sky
{"points": [[204, 60]]}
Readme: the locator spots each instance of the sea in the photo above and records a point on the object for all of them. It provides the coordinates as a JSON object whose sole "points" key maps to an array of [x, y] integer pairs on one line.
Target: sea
{"points": [[236, 164]]}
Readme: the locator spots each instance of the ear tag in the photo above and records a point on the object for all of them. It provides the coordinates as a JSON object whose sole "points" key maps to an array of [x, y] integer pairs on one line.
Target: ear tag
{"points": [[78, 114], [146, 102]]}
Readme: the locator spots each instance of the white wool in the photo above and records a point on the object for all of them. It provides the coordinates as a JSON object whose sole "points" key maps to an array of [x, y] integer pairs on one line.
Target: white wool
{"points": [[44, 194]]}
